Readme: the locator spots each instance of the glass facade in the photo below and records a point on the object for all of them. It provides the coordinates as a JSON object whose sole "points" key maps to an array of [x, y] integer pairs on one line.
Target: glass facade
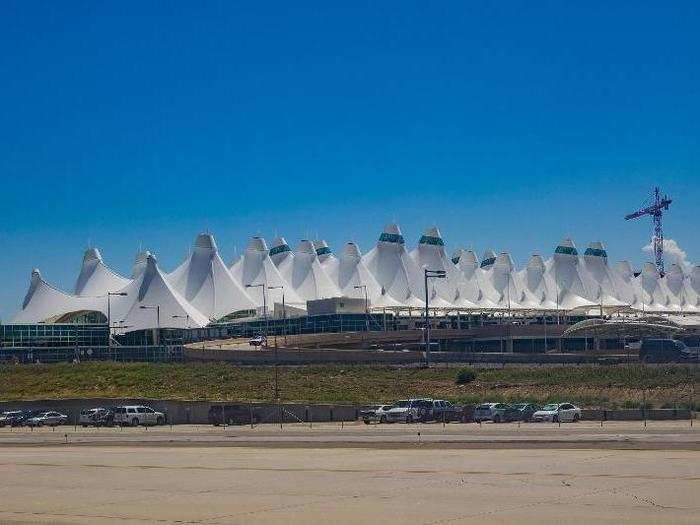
{"points": [[566, 250], [280, 249], [53, 335], [435, 241], [488, 262], [597, 252], [323, 250], [391, 237]]}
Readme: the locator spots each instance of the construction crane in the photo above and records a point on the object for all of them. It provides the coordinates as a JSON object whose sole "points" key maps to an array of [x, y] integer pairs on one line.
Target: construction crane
{"points": [[656, 211]]}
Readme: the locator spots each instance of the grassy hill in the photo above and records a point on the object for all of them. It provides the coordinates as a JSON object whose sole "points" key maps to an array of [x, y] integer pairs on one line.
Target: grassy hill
{"points": [[590, 386]]}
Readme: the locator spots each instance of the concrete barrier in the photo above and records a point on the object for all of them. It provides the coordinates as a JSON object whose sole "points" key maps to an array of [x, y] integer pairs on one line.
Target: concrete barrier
{"points": [[635, 414]]}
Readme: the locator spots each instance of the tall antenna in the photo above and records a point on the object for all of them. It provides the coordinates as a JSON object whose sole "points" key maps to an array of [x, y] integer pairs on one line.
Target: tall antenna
{"points": [[656, 211]]}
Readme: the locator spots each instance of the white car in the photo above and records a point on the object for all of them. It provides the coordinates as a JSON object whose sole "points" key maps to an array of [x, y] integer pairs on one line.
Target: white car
{"points": [[558, 413], [136, 415], [49, 419], [258, 340], [376, 414], [495, 412], [408, 410]]}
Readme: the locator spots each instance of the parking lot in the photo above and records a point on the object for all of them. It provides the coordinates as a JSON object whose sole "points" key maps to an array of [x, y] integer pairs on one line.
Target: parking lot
{"points": [[221, 484]]}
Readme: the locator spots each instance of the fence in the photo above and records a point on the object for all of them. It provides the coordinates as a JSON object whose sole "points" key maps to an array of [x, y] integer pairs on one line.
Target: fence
{"points": [[121, 353]]}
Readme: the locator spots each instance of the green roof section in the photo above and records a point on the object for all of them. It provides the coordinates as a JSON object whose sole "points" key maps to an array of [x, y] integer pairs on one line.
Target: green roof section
{"points": [[596, 252], [566, 250], [280, 249]]}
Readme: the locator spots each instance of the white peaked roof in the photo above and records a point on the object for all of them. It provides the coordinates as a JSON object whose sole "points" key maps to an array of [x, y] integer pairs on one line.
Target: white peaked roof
{"points": [[256, 267], [680, 292], [139, 263], [693, 286], [500, 283], [599, 280], [652, 296], [488, 259], [329, 262], [532, 286], [95, 277], [352, 272], [150, 289], [394, 270], [207, 284], [472, 283], [625, 284], [430, 254], [44, 302], [308, 279], [564, 279]]}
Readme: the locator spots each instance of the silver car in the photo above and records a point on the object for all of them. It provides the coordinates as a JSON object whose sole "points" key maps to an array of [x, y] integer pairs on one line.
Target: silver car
{"points": [[49, 419]]}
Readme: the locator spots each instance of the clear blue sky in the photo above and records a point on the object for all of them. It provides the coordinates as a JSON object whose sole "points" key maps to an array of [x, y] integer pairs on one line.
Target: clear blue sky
{"points": [[506, 124]]}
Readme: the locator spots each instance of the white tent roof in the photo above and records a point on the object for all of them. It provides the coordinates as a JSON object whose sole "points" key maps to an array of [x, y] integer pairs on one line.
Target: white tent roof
{"points": [[500, 283], [430, 254], [599, 282], [532, 286], [472, 280], [139, 263], [352, 272], [95, 277], [256, 267], [308, 278], [44, 302], [151, 289], [652, 297], [207, 284], [564, 279], [394, 270]]}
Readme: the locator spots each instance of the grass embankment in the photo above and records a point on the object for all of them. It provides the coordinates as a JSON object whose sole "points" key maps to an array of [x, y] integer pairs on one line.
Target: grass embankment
{"points": [[590, 386]]}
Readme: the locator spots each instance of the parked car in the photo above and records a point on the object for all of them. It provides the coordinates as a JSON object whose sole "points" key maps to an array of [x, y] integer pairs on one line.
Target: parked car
{"points": [[520, 412], [444, 411], [96, 417], [558, 413], [665, 351], [408, 410], [495, 412], [48, 419], [231, 415], [135, 415], [376, 414], [258, 340], [14, 418]]}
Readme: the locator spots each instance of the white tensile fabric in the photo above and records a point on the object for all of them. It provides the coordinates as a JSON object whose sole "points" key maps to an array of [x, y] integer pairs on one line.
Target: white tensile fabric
{"points": [[139, 263], [564, 278], [472, 284], [329, 262], [532, 286], [430, 254], [207, 284], [500, 284], [652, 295], [44, 302], [394, 270], [680, 291], [625, 284], [283, 257], [599, 281], [255, 267], [152, 289], [694, 287], [353, 276], [308, 279], [96, 278]]}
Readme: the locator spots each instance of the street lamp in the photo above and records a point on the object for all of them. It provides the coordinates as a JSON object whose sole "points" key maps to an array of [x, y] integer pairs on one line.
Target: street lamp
{"points": [[364, 287], [109, 315], [157, 309], [284, 312], [429, 274], [262, 286]]}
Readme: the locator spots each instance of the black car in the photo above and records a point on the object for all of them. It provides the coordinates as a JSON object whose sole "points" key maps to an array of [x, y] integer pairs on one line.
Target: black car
{"points": [[666, 351], [520, 412], [444, 411]]}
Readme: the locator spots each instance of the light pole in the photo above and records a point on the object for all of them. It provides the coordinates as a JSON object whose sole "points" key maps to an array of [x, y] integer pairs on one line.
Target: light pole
{"points": [[157, 309], [364, 287], [109, 315], [284, 313], [429, 274], [264, 296]]}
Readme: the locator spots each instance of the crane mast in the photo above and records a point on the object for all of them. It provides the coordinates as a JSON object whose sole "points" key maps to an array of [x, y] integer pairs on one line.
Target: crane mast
{"points": [[655, 210]]}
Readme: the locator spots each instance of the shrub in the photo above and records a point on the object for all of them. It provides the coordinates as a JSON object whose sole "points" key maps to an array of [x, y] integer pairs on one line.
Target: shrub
{"points": [[465, 375]]}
